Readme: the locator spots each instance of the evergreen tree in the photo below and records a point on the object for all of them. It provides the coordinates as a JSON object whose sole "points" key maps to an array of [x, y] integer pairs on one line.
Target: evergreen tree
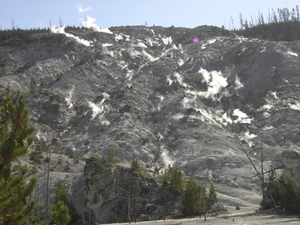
{"points": [[111, 157], [166, 176], [60, 194], [41, 86], [193, 199], [135, 165], [291, 200], [60, 213], [15, 139], [212, 196], [32, 86], [156, 174], [202, 201], [176, 181], [273, 186]]}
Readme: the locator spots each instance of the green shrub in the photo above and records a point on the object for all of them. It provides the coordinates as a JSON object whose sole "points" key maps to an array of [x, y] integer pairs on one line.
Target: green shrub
{"points": [[59, 76], [135, 165], [36, 156], [96, 160], [111, 157]]}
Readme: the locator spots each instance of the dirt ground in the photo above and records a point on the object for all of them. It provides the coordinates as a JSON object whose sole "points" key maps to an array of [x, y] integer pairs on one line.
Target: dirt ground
{"points": [[246, 216], [239, 220]]}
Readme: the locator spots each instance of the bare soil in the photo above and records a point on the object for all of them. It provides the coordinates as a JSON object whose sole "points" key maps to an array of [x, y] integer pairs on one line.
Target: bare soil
{"points": [[233, 219]]}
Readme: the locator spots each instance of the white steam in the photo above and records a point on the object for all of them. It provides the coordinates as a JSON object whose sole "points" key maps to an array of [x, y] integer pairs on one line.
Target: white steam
{"points": [[215, 82], [242, 117], [68, 99], [90, 22], [61, 30]]}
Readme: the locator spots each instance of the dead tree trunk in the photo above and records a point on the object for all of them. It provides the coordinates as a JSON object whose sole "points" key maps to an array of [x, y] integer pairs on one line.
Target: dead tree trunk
{"points": [[259, 175]]}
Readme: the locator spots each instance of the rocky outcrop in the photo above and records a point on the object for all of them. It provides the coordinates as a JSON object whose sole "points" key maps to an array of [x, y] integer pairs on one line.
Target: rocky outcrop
{"points": [[291, 160], [108, 190]]}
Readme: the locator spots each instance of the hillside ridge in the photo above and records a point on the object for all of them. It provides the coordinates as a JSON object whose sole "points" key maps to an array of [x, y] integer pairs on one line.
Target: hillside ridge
{"points": [[178, 96]]}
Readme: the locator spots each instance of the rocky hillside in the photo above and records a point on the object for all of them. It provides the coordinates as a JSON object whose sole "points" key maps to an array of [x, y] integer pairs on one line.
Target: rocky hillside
{"points": [[191, 98], [109, 189]]}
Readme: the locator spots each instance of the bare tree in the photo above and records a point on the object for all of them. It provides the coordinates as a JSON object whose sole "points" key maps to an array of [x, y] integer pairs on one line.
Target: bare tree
{"points": [[241, 21], [13, 26], [259, 175], [60, 21]]}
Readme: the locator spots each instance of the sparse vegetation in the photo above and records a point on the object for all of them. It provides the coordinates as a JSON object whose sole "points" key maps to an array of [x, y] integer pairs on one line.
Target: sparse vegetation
{"points": [[135, 165], [67, 166], [96, 160], [32, 86], [111, 157], [81, 61], [47, 159], [34, 169], [20, 34], [278, 25], [55, 142], [76, 159], [36, 156], [156, 173], [59, 76], [41, 86], [2, 71], [72, 155]]}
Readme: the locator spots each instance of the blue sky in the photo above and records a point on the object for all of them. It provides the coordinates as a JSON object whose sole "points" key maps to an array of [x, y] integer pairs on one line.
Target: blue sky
{"points": [[107, 13]]}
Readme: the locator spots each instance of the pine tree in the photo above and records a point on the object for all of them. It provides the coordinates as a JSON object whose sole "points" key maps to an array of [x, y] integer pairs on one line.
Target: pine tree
{"points": [[156, 174], [166, 176], [60, 213], [193, 199], [291, 200], [135, 165], [176, 181], [60, 194], [111, 157], [212, 196], [273, 186], [32, 86], [15, 139], [202, 201]]}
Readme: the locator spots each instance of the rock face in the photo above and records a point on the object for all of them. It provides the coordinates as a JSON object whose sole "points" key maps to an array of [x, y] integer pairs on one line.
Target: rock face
{"points": [[291, 160], [109, 190], [186, 97]]}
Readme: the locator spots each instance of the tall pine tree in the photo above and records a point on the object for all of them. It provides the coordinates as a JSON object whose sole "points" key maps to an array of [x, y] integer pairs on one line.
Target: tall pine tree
{"points": [[60, 194], [193, 199], [60, 213], [176, 181], [212, 196], [15, 140]]}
